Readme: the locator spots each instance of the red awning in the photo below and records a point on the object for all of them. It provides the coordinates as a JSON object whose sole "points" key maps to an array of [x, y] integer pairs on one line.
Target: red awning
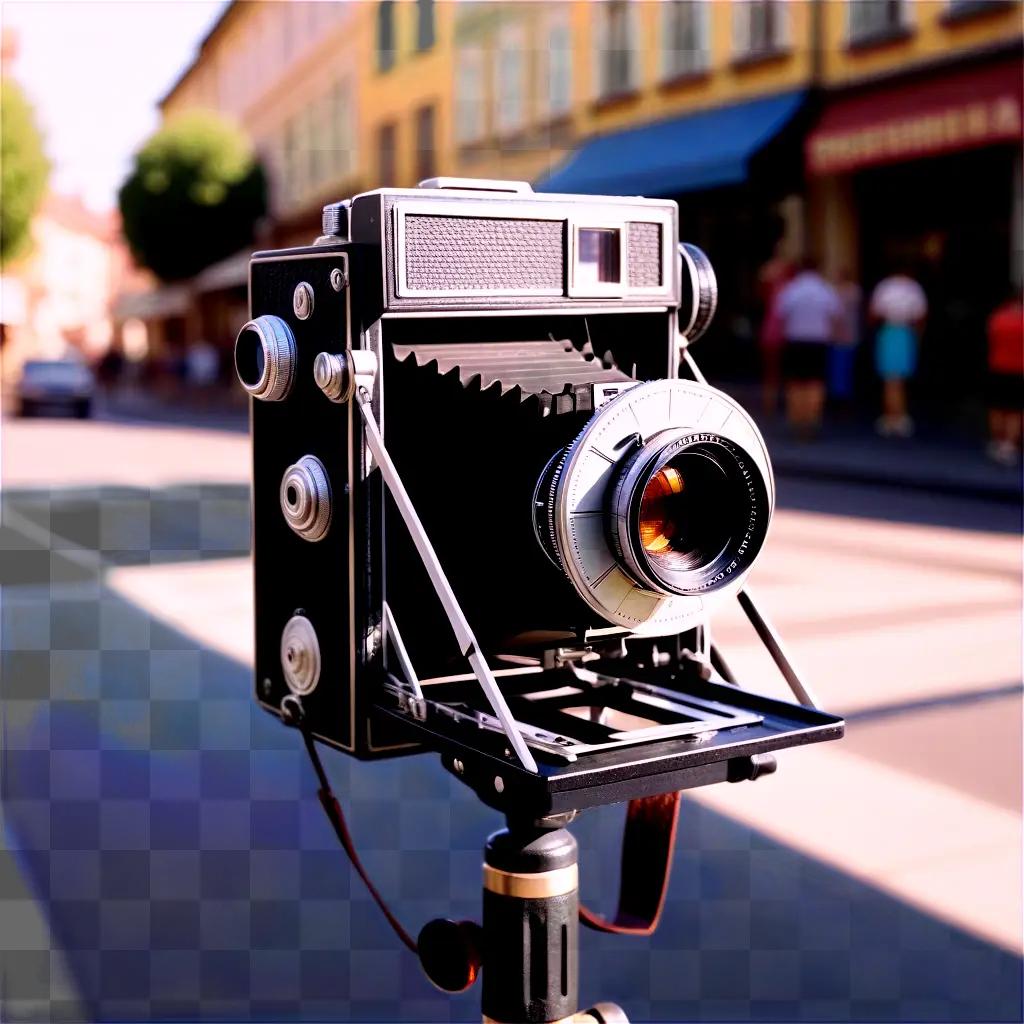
{"points": [[958, 110]]}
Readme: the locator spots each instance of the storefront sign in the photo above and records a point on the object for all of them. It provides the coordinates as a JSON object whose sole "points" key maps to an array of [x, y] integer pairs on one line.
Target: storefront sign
{"points": [[958, 112]]}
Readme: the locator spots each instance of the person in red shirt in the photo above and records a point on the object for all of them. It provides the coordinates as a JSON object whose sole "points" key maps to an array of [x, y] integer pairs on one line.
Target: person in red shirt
{"points": [[1006, 379]]}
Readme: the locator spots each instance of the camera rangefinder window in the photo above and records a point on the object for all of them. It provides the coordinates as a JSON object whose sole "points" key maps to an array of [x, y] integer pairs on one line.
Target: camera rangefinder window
{"points": [[598, 256]]}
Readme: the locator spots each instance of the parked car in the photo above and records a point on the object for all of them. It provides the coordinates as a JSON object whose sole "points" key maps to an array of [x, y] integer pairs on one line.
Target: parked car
{"points": [[55, 384]]}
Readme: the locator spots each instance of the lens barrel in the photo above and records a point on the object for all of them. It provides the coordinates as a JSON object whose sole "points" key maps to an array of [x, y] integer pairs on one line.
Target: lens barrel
{"points": [[663, 499], [265, 358], [687, 513]]}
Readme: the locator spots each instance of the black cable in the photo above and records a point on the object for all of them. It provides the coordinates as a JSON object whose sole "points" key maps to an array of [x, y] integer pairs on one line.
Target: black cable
{"points": [[336, 817]]}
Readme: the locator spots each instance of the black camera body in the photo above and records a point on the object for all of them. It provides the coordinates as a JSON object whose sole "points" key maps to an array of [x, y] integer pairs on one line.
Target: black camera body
{"points": [[470, 444]]}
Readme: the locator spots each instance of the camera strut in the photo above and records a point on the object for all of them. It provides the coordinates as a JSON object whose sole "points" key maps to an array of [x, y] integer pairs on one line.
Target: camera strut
{"points": [[463, 633]]}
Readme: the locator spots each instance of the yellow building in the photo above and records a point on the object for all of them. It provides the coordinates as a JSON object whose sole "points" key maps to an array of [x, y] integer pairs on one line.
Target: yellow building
{"points": [[337, 97], [781, 126]]}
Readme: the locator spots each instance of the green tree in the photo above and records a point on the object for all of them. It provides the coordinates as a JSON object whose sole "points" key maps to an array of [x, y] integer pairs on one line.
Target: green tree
{"points": [[24, 171], [193, 197]]}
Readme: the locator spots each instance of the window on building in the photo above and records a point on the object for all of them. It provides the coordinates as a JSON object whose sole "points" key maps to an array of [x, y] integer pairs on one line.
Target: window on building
{"points": [[685, 37], [511, 91], [426, 158], [342, 135], [385, 35], [291, 179], [470, 100], [557, 96], [387, 139], [616, 57], [318, 134], [872, 19], [424, 24], [760, 27]]}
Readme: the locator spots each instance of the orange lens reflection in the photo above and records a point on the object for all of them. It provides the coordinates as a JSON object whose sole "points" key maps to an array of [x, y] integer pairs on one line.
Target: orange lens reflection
{"points": [[657, 523]]}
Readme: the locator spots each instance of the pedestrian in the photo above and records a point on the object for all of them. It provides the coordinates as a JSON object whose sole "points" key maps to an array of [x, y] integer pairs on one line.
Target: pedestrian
{"points": [[1006, 379], [899, 307], [842, 358], [810, 316], [772, 278]]}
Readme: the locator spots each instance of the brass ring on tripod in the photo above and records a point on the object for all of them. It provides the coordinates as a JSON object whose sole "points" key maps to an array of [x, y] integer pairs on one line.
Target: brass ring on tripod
{"points": [[576, 1018], [537, 886]]}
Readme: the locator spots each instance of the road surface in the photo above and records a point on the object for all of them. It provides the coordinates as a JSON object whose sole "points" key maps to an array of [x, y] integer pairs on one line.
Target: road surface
{"points": [[166, 857]]}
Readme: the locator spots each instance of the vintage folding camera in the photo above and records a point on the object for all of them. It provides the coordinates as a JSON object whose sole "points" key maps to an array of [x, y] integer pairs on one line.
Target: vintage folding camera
{"points": [[489, 518]]}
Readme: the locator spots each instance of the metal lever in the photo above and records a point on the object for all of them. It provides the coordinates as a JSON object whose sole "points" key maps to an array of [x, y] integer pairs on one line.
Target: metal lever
{"points": [[391, 632], [766, 631], [463, 633]]}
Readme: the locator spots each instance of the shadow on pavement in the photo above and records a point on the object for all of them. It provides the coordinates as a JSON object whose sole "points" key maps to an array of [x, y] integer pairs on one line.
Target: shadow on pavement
{"points": [[171, 832]]}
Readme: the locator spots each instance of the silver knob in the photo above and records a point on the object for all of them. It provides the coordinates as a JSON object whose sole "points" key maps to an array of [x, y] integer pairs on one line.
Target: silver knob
{"points": [[300, 655], [700, 292], [265, 357], [338, 376], [306, 498]]}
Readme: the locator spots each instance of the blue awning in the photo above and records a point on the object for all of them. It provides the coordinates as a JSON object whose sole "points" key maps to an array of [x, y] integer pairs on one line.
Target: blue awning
{"points": [[696, 151]]}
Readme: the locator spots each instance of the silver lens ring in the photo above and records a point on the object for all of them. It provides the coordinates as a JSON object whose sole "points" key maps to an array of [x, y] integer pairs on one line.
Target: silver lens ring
{"points": [[305, 495], [579, 499], [265, 357]]}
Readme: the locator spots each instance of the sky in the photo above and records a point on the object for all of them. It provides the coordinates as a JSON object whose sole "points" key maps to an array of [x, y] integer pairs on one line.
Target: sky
{"points": [[94, 72]]}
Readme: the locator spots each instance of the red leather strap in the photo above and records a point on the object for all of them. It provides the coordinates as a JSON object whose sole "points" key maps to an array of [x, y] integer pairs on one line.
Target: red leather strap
{"points": [[647, 844]]}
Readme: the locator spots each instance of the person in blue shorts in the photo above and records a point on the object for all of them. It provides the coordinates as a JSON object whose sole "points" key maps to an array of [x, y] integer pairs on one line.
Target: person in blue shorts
{"points": [[899, 307]]}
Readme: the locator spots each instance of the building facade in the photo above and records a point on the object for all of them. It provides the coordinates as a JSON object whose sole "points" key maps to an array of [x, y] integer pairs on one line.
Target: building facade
{"points": [[914, 163], [780, 126], [63, 290]]}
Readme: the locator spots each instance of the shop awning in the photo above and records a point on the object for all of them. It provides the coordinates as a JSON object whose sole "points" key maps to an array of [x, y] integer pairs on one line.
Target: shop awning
{"points": [[697, 151], [232, 272], [156, 304], [887, 124]]}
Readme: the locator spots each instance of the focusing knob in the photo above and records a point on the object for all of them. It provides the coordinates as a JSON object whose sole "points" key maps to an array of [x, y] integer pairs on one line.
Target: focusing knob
{"points": [[450, 953], [700, 291]]}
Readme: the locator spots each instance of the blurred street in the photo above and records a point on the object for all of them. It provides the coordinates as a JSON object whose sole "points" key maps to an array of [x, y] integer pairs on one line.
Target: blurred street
{"points": [[876, 878]]}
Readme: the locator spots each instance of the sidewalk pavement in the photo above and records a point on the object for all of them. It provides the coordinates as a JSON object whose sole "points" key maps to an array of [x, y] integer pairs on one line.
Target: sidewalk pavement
{"points": [[937, 459], [927, 462]]}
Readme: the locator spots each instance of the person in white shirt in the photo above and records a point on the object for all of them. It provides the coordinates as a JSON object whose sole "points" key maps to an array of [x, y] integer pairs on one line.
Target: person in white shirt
{"points": [[810, 314], [899, 306]]}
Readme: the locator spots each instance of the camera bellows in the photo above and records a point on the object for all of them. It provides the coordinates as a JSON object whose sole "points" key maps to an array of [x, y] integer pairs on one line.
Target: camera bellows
{"points": [[555, 373]]}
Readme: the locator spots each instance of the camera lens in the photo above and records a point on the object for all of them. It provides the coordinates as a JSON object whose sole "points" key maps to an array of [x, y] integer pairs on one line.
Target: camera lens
{"points": [[688, 514], [249, 359], [265, 358], [680, 519]]}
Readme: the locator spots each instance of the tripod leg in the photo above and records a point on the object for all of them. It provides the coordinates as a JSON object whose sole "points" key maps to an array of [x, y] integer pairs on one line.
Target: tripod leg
{"points": [[531, 929]]}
